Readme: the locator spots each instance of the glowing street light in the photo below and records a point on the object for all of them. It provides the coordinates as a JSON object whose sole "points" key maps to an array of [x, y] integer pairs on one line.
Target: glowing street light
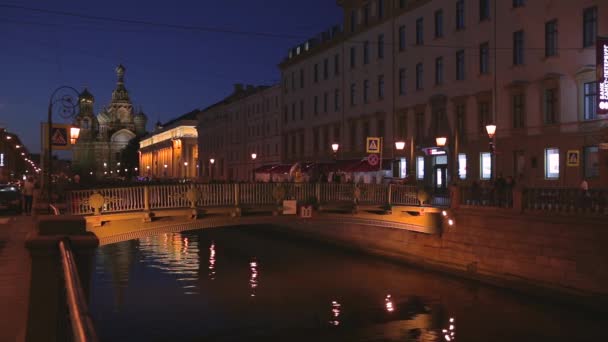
{"points": [[400, 145], [254, 155], [335, 147], [441, 141]]}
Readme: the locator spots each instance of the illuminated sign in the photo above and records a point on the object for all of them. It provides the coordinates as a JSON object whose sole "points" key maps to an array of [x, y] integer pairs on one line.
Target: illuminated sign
{"points": [[1, 159], [602, 75], [433, 151]]}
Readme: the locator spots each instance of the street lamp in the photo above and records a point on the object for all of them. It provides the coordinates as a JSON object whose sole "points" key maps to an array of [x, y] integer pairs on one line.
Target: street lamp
{"points": [[64, 99], [165, 173], [211, 162], [400, 145], [74, 133], [185, 169], [253, 157], [441, 141], [491, 129]]}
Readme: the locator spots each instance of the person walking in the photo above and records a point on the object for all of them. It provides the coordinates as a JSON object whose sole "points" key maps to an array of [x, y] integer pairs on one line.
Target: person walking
{"points": [[28, 195]]}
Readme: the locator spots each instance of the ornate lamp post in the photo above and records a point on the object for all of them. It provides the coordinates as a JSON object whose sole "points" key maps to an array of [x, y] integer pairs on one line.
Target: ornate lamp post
{"points": [[64, 101]]}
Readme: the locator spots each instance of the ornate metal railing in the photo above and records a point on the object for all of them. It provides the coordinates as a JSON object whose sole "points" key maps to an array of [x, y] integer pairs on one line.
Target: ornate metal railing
{"points": [[566, 200], [113, 200]]}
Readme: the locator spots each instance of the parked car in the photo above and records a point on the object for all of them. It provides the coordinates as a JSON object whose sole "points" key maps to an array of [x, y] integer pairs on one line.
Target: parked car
{"points": [[10, 198]]}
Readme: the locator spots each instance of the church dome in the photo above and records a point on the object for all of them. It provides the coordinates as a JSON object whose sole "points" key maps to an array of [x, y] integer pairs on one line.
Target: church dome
{"points": [[104, 118], [86, 95]]}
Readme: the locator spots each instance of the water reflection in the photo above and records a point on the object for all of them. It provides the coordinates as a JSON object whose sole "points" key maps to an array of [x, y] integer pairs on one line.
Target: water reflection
{"points": [[335, 313], [173, 254], [450, 332], [388, 303], [253, 278], [212, 261]]}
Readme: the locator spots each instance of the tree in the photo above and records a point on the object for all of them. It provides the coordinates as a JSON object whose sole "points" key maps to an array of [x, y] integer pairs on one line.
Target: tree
{"points": [[129, 157]]}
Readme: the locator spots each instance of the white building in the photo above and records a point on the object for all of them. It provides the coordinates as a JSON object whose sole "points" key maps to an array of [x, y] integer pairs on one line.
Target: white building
{"points": [[415, 70]]}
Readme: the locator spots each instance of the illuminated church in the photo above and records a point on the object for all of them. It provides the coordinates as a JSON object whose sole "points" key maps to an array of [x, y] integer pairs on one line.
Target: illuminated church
{"points": [[105, 135]]}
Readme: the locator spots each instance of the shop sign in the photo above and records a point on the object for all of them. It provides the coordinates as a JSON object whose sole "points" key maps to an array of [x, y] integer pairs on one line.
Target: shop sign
{"points": [[602, 75]]}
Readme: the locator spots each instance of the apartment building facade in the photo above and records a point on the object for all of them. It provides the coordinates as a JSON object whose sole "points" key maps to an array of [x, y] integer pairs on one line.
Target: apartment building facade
{"points": [[240, 133], [416, 70]]}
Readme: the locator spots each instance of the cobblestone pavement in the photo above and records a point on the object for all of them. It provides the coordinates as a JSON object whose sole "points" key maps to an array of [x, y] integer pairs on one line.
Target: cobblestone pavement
{"points": [[14, 277]]}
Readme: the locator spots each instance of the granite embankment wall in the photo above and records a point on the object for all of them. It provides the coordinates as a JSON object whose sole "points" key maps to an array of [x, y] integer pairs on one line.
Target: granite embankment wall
{"points": [[561, 257]]}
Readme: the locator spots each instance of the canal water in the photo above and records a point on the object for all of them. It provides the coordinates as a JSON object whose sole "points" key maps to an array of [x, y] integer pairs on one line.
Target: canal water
{"points": [[249, 284]]}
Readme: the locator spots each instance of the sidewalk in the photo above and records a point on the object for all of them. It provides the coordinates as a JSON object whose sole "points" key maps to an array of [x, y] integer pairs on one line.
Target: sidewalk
{"points": [[14, 277]]}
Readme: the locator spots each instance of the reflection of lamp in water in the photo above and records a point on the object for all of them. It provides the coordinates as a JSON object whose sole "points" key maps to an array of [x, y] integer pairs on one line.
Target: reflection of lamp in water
{"points": [[335, 313], [449, 333], [253, 280], [212, 261], [388, 303]]}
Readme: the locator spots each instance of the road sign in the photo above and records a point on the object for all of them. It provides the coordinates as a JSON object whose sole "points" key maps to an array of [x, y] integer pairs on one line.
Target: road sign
{"points": [[373, 159], [59, 136], [373, 145]]}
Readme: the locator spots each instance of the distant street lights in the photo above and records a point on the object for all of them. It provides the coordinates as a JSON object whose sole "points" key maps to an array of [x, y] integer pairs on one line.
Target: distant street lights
{"points": [[185, 169], [253, 158], [165, 171], [211, 162]]}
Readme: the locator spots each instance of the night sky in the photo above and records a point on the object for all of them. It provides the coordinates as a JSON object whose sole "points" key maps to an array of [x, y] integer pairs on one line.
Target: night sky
{"points": [[170, 71]]}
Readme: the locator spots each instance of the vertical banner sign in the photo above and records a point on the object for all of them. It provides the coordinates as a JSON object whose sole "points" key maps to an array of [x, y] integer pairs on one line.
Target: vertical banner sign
{"points": [[602, 75]]}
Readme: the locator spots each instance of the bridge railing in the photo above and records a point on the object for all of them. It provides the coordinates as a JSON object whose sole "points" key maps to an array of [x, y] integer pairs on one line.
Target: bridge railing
{"points": [[212, 195], [566, 200]]}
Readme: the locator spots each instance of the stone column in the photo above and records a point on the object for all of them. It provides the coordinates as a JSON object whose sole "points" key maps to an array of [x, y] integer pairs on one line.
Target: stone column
{"points": [[47, 314]]}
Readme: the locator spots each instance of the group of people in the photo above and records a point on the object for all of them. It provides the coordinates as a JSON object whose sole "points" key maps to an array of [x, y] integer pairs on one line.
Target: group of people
{"points": [[500, 193]]}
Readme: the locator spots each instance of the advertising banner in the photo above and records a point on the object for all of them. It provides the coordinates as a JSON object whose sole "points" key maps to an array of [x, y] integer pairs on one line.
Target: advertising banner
{"points": [[602, 75]]}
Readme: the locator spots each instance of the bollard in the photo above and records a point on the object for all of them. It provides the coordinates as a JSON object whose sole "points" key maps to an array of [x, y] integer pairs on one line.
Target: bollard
{"points": [[47, 314]]}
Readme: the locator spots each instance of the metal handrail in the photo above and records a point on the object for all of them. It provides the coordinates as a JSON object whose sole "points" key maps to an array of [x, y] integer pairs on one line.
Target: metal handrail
{"points": [[82, 324]]}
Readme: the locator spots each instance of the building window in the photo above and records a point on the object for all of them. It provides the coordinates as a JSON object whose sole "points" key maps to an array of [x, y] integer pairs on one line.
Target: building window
{"points": [[484, 115], [439, 71], [336, 100], [380, 87], [401, 37], [402, 3], [325, 96], [352, 94], [419, 31], [315, 140], [484, 10], [551, 106], [380, 129], [380, 46], [285, 114], [316, 73], [353, 136], [518, 48], [485, 165], [325, 69], [518, 109], [460, 14], [590, 93], [301, 109], [336, 65], [293, 111], [301, 78], [551, 38], [316, 105], [462, 166], [484, 58], [353, 57], [366, 52], [293, 81], [302, 144], [401, 126], [366, 14], [419, 75], [353, 20], [551, 163], [365, 91], [518, 3], [591, 161], [589, 26], [420, 167], [460, 65], [380, 9], [439, 24], [402, 88]]}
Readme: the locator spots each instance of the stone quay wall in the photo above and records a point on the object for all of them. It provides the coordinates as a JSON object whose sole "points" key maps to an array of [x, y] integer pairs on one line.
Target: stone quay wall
{"points": [[560, 257]]}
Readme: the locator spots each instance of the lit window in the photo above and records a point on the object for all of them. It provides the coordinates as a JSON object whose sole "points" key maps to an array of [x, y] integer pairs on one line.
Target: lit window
{"points": [[420, 167], [552, 163], [486, 165], [590, 94], [402, 168], [462, 165]]}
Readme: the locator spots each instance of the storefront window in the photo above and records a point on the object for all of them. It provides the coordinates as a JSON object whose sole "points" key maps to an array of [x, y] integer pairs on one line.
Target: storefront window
{"points": [[402, 168], [552, 163], [486, 165], [420, 167], [462, 165]]}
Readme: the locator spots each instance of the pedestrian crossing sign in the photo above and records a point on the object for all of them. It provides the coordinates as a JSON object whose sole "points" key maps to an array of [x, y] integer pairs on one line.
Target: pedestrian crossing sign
{"points": [[373, 145]]}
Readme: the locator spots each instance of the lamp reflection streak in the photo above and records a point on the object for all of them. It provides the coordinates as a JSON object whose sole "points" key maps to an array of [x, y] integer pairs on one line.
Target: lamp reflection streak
{"points": [[212, 261], [449, 334], [335, 313], [388, 303], [253, 279]]}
